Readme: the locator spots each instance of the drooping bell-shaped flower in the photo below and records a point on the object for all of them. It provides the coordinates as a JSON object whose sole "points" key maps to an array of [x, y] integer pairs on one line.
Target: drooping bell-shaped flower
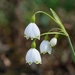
{"points": [[53, 42], [33, 56], [45, 47], [32, 31]]}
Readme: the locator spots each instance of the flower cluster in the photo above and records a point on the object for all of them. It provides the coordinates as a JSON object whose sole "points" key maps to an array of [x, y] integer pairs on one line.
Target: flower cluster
{"points": [[33, 55], [32, 31]]}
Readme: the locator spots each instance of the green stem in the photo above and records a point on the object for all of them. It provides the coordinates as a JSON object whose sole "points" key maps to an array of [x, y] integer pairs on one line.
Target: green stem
{"points": [[71, 48], [62, 28], [52, 33], [49, 17], [60, 25]]}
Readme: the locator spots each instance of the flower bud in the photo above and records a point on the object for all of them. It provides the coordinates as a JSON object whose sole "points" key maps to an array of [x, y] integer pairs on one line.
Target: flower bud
{"points": [[53, 42]]}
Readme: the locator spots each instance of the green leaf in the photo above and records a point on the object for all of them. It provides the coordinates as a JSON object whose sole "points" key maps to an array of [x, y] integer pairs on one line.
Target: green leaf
{"points": [[56, 16]]}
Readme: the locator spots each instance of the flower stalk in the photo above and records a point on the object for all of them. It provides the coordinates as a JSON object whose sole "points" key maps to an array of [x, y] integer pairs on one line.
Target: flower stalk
{"points": [[71, 48]]}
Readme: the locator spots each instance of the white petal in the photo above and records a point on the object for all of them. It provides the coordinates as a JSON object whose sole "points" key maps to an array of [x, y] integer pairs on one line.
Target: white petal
{"points": [[49, 50], [28, 55], [53, 42], [28, 31], [45, 47], [36, 56], [32, 31], [36, 31], [33, 56]]}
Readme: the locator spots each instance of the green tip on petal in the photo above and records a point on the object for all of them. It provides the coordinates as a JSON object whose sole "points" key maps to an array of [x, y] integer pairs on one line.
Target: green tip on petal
{"points": [[51, 45], [29, 63], [36, 62], [41, 63], [49, 52], [32, 38], [44, 52], [38, 37]]}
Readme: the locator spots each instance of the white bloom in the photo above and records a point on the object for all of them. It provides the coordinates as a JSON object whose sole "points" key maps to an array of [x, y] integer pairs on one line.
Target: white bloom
{"points": [[53, 42], [45, 47], [33, 56], [32, 31]]}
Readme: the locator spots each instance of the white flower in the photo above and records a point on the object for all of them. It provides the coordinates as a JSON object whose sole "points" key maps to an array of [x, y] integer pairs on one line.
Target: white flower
{"points": [[32, 31], [33, 56], [53, 42], [45, 47]]}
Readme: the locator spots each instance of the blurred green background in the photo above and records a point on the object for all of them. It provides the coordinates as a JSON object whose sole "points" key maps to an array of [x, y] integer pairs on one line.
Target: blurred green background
{"points": [[15, 15]]}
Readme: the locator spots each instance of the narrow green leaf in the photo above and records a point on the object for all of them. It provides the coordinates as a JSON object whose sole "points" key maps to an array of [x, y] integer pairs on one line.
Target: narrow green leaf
{"points": [[56, 16]]}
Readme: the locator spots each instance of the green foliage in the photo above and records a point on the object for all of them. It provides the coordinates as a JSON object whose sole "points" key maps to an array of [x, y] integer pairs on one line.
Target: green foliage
{"points": [[69, 5], [51, 3], [3, 19]]}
